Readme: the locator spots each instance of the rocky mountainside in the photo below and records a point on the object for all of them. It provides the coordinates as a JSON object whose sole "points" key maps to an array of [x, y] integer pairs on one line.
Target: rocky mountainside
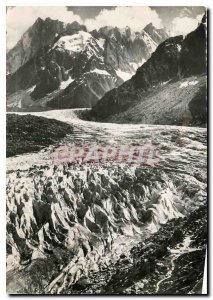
{"points": [[72, 67], [174, 60], [40, 34]]}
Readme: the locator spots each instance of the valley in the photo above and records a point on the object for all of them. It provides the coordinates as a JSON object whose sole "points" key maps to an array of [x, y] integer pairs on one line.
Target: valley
{"points": [[106, 168], [75, 225]]}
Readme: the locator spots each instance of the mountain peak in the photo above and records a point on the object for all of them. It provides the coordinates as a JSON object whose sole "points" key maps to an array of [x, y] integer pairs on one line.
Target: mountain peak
{"points": [[38, 21], [48, 19], [204, 18], [149, 26], [75, 23]]}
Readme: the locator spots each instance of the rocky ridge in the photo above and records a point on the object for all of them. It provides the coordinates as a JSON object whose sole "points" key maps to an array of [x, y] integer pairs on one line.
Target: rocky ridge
{"points": [[174, 59], [41, 34]]}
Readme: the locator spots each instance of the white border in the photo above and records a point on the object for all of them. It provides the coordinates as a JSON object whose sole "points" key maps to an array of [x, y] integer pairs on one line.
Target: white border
{"points": [[106, 3], [3, 5]]}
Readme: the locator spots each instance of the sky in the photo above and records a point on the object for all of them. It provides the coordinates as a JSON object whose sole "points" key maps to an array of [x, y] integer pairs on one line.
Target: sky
{"points": [[176, 19]]}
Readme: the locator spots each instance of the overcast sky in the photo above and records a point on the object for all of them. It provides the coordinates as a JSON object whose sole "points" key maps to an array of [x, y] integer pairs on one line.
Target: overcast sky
{"points": [[177, 19]]}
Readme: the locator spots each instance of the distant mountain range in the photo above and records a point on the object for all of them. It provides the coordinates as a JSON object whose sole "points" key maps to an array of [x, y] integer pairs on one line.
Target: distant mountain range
{"points": [[169, 88], [58, 65], [124, 76]]}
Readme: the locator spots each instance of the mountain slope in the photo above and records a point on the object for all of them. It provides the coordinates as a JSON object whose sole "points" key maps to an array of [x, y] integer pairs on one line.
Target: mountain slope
{"points": [[173, 60], [181, 102], [87, 64]]}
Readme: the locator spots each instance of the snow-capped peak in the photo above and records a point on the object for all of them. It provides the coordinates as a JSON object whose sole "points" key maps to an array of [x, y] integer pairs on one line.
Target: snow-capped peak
{"points": [[75, 42]]}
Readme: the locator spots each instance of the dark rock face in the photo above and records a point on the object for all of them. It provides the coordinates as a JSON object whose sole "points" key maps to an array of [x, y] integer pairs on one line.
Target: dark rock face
{"points": [[156, 33], [50, 78], [84, 92], [193, 59], [70, 51], [123, 47], [173, 59], [115, 101], [162, 66], [19, 81]]}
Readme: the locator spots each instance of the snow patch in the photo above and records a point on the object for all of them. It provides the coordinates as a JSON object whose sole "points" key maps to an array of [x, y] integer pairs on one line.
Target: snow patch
{"points": [[65, 84], [31, 89], [102, 72], [165, 82], [19, 104], [101, 42], [74, 43], [187, 83], [179, 48], [15, 104], [137, 65], [123, 75]]}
